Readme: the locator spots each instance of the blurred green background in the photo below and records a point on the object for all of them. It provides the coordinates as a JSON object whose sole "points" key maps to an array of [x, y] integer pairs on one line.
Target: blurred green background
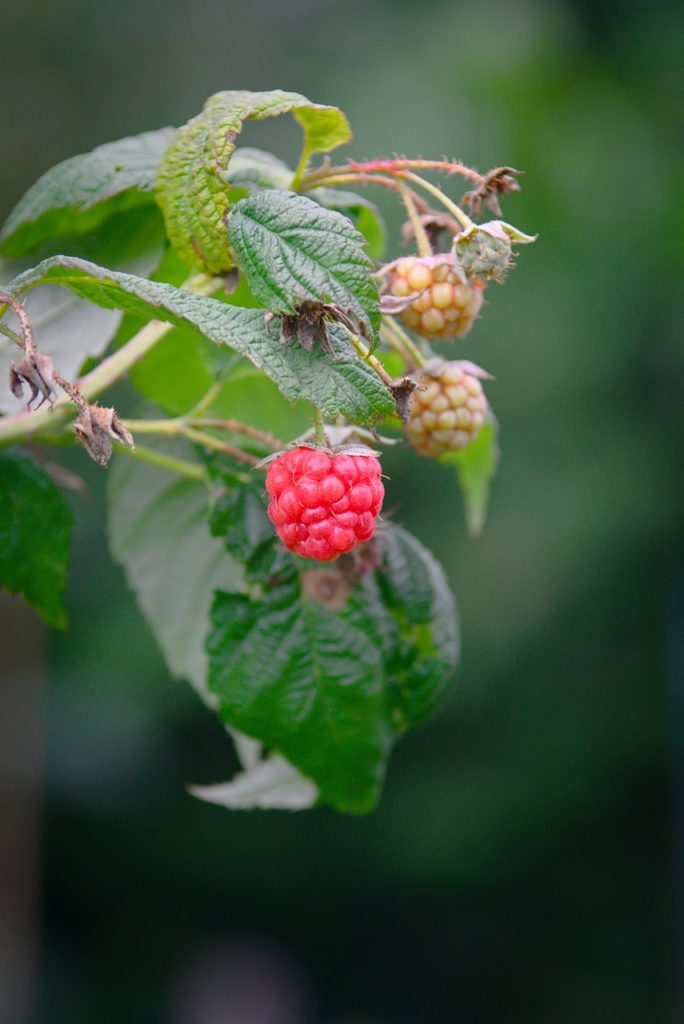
{"points": [[524, 864]]}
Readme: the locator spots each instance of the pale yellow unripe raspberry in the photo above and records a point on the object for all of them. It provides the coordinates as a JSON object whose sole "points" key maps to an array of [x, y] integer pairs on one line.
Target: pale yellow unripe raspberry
{"points": [[444, 306], [447, 409]]}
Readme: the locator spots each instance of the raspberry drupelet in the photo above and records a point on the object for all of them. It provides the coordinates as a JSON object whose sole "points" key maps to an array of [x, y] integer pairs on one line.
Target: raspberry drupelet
{"points": [[445, 307], [323, 505]]}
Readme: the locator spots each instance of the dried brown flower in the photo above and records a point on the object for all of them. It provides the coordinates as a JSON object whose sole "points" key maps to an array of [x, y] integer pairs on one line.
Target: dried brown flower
{"points": [[495, 183], [308, 325], [36, 372]]}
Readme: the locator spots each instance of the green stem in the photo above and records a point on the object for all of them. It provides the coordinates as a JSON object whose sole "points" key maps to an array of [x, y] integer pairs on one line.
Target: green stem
{"points": [[209, 441], [462, 218], [348, 178], [165, 428], [300, 169], [267, 439], [401, 341], [178, 428], [372, 360], [12, 335], [181, 466], [422, 240], [207, 399], [319, 427]]}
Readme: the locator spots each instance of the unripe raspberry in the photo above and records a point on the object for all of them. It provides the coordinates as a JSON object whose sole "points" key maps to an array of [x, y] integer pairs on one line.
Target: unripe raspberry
{"points": [[447, 409], [483, 256], [446, 307], [323, 505]]}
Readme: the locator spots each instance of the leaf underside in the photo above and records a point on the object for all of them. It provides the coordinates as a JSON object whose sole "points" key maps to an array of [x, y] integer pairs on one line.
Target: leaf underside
{"points": [[271, 784], [157, 526]]}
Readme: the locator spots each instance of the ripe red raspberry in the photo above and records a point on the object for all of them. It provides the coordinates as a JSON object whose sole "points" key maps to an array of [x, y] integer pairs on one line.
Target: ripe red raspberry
{"points": [[448, 409], [446, 307], [323, 505]]}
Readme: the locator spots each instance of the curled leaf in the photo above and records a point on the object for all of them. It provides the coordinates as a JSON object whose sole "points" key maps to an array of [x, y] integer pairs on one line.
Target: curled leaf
{"points": [[192, 185], [271, 784]]}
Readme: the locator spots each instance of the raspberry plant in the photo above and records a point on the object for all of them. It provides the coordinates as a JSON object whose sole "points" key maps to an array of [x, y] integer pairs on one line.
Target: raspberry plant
{"points": [[270, 352]]}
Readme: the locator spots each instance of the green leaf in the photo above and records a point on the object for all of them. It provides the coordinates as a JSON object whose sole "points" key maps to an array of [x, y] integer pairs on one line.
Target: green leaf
{"points": [[35, 528], [424, 648], [329, 681], [325, 128], [238, 514], [476, 466], [342, 386], [306, 682], [271, 784], [291, 249], [158, 532], [365, 215], [79, 194], [192, 187]]}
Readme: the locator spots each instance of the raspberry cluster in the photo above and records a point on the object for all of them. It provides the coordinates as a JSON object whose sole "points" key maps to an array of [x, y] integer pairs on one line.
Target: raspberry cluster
{"points": [[447, 409], [446, 307], [323, 505]]}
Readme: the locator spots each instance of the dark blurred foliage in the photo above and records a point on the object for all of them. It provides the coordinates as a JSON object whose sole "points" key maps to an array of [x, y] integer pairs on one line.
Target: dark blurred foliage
{"points": [[523, 864]]}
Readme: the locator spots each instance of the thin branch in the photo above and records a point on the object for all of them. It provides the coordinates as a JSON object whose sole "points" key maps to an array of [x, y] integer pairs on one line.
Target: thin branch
{"points": [[462, 218], [29, 345], [403, 164], [422, 240], [178, 427], [401, 342], [345, 177], [181, 466], [206, 399], [12, 335], [209, 441], [241, 428], [319, 428], [368, 357], [391, 166]]}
